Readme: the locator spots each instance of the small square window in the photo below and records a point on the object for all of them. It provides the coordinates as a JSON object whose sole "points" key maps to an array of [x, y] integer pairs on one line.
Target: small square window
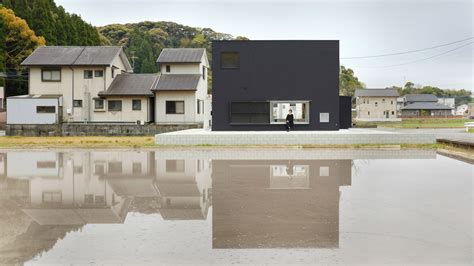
{"points": [[230, 60], [324, 117], [77, 103], [99, 73], [99, 104], [168, 68], [115, 106], [323, 171], [136, 105], [88, 74]]}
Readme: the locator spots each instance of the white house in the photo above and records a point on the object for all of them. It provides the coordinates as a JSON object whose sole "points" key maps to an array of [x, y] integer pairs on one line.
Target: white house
{"points": [[96, 84], [376, 105], [462, 109]]}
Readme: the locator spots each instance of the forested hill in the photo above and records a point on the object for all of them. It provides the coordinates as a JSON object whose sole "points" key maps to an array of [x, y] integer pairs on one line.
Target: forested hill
{"points": [[143, 41], [53, 23]]}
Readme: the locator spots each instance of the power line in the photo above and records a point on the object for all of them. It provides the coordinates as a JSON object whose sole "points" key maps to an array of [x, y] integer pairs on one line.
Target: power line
{"points": [[406, 52], [419, 60]]}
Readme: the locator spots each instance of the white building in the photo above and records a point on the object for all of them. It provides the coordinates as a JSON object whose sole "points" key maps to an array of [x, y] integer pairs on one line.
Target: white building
{"points": [[462, 109], [376, 105], [96, 84]]}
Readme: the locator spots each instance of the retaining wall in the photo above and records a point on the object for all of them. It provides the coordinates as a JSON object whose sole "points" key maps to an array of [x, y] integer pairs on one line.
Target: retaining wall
{"points": [[94, 129]]}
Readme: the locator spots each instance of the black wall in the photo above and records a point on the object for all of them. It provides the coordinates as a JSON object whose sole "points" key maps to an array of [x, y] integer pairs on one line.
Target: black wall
{"points": [[345, 112], [277, 70]]}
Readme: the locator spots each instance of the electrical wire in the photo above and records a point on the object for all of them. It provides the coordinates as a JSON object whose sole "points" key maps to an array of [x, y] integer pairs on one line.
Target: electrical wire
{"points": [[406, 52]]}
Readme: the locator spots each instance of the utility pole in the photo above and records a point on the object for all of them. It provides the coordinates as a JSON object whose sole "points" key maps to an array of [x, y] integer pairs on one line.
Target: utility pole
{"points": [[133, 59]]}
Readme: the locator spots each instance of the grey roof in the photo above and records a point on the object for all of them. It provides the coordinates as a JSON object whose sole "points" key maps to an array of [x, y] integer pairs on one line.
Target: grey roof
{"points": [[426, 106], [177, 82], [75, 56], [376, 93], [181, 55], [131, 84], [421, 98]]}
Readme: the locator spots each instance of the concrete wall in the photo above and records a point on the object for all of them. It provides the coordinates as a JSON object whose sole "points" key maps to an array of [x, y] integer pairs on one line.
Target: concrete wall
{"points": [[376, 108], [69, 129], [23, 111]]}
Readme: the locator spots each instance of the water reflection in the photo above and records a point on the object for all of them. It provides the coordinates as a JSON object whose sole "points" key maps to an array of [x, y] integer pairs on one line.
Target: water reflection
{"points": [[254, 201], [270, 204]]}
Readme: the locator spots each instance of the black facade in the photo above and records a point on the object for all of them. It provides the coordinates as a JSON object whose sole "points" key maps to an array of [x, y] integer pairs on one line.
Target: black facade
{"points": [[256, 82]]}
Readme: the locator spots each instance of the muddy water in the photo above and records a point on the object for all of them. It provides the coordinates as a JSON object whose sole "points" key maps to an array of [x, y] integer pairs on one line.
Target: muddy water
{"points": [[234, 206]]}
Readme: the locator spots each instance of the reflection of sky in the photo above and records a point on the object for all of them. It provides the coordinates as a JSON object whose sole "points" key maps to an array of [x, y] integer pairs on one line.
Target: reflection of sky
{"points": [[395, 211]]}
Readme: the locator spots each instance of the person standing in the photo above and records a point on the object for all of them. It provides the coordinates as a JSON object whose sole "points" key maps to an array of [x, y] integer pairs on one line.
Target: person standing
{"points": [[289, 120]]}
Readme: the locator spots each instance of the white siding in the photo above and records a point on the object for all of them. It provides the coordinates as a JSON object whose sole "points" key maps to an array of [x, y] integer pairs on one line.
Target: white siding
{"points": [[23, 111], [127, 114]]}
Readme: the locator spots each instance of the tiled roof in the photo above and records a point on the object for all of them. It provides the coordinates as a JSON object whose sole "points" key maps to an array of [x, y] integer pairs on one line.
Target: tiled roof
{"points": [[75, 56], [377, 92], [421, 98], [426, 106], [131, 84], [177, 82], [181, 55]]}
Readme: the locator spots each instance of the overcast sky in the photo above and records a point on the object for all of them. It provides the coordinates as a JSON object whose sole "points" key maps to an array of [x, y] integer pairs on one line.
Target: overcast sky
{"points": [[363, 27]]}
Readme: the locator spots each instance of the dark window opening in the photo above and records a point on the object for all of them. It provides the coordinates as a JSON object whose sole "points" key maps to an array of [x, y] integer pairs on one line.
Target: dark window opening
{"points": [[88, 74], [115, 106], [77, 103], [46, 164], [230, 60], [250, 113], [99, 73], [136, 105], [168, 68], [175, 107], [175, 166], [45, 109], [203, 72], [99, 104]]}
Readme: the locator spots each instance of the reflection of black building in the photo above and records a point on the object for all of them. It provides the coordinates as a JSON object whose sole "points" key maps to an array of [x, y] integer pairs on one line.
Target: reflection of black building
{"points": [[257, 204], [256, 82]]}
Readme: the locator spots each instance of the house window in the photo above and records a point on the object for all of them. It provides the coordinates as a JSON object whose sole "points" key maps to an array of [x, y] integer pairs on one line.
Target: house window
{"points": [[364, 101], [99, 73], [77, 103], [383, 100], [115, 106], [45, 109], [136, 105], [77, 169], [323, 117], [230, 60], [99, 169], [51, 74], [203, 72], [99, 104], [113, 72], [393, 112], [376, 104], [46, 164], [391, 102], [175, 107], [368, 113], [89, 199], [168, 68], [52, 197], [250, 112], [175, 166], [88, 74]]}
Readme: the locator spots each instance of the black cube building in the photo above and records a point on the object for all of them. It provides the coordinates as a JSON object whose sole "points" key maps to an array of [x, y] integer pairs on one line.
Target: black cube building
{"points": [[255, 83]]}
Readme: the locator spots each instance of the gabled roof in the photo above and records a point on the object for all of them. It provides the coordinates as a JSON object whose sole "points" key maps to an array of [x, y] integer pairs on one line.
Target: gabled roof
{"points": [[76, 56], [181, 55], [177, 82], [131, 85], [426, 106], [421, 98], [376, 93]]}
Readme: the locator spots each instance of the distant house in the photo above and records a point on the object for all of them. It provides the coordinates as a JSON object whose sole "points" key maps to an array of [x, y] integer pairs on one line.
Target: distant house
{"points": [[376, 105], [470, 111], [2, 98], [462, 109], [448, 101], [424, 105], [96, 84]]}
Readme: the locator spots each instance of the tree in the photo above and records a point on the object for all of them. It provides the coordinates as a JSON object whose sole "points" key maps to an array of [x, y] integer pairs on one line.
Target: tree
{"points": [[19, 42], [348, 82]]}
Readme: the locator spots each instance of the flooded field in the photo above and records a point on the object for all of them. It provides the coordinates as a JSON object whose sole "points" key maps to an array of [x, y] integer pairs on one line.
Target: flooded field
{"points": [[210, 206]]}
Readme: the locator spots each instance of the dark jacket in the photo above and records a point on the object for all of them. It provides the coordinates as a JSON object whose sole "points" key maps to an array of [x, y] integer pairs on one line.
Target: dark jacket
{"points": [[289, 119]]}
